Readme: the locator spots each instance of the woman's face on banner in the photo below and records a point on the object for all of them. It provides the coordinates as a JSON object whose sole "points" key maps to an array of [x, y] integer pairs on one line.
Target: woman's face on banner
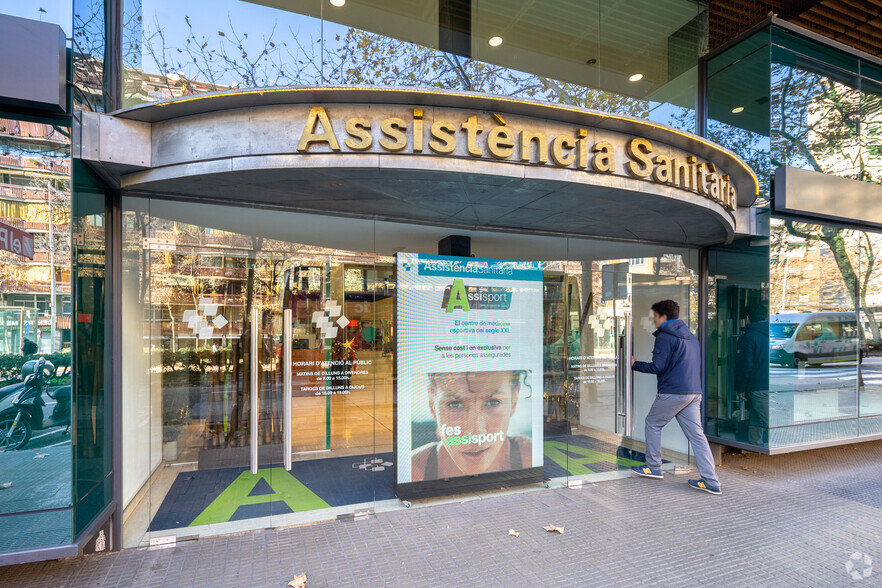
{"points": [[479, 405]]}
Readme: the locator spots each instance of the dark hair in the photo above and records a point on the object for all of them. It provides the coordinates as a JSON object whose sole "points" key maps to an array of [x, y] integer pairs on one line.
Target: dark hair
{"points": [[757, 312], [667, 308]]}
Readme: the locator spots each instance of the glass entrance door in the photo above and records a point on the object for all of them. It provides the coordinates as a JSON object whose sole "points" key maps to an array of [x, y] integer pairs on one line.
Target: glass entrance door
{"points": [[608, 320]]}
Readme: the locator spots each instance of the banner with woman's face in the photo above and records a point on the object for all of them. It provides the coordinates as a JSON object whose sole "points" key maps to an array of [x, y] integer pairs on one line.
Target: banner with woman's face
{"points": [[469, 386], [482, 425]]}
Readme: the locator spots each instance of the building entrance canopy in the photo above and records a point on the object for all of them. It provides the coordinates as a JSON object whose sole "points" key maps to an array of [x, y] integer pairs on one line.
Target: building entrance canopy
{"points": [[429, 156]]}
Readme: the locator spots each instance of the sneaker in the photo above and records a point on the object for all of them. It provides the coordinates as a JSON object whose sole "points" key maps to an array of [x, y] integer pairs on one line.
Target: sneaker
{"points": [[647, 472], [706, 486]]}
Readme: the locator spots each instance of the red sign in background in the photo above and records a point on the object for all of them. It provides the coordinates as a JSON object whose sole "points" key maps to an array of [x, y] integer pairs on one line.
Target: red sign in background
{"points": [[16, 241]]}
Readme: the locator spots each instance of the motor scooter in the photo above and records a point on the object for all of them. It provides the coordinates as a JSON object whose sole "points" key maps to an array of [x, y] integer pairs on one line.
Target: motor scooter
{"points": [[25, 411], [28, 368]]}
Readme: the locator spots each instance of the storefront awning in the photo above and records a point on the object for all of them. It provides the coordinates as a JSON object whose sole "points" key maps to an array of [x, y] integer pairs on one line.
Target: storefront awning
{"points": [[449, 158]]}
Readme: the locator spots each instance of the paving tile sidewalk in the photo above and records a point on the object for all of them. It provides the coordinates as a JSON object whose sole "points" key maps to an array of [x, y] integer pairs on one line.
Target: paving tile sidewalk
{"points": [[791, 520]]}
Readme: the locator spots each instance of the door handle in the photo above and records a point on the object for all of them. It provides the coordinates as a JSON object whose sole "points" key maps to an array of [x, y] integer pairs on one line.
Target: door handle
{"points": [[287, 329], [255, 406], [629, 375], [620, 374]]}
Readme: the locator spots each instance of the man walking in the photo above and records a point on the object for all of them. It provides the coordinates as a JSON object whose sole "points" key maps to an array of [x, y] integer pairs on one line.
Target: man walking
{"points": [[676, 361]]}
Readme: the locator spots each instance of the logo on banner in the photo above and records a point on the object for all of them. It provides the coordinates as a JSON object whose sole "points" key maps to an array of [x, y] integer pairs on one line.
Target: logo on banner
{"points": [[466, 298], [323, 319]]}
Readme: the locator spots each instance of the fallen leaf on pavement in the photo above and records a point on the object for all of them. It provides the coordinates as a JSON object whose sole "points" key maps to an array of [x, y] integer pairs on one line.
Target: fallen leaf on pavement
{"points": [[513, 532], [298, 581], [554, 529]]}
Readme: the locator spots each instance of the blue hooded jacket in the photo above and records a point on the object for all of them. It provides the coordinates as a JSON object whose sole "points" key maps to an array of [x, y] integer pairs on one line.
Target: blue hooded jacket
{"points": [[676, 360]]}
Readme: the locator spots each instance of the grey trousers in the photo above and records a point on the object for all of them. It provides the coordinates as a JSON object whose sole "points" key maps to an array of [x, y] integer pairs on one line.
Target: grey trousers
{"points": [[686, 408]]}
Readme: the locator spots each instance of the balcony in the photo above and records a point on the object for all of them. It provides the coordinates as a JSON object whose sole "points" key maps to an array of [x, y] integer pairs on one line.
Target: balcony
{"points": [[55, 165], [33, 226], [24, 192]]}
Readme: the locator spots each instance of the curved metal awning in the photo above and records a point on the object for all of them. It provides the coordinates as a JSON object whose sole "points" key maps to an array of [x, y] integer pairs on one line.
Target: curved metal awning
{"points": [[271, 147]]}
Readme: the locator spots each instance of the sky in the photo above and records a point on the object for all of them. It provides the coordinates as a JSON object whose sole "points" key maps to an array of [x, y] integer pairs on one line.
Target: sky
{"points": [[208, 16], [57, 11]]}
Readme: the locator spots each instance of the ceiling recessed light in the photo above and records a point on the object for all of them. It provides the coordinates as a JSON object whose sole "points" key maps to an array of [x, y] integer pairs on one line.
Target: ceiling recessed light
{"points": [[737, 109], [338, 3], [635, 78], [495, 41]]}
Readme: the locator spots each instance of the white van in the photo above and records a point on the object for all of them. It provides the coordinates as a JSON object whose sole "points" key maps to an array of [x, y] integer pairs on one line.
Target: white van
{"points": [[815, 338]]}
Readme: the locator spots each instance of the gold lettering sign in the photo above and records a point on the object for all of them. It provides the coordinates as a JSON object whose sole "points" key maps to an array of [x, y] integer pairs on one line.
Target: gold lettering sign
{"points": [[530, 146]]}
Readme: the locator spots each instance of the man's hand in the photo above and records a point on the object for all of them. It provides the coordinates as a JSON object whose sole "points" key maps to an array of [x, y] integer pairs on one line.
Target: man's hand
{"points": [[633, 359]]}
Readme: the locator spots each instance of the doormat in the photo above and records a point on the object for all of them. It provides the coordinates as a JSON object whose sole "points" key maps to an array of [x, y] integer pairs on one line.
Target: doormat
{"points": [[222, 495], [232, 494]]}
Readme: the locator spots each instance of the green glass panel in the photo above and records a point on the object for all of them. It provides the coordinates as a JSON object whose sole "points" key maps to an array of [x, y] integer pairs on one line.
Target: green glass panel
{"points": [[91, 403]]}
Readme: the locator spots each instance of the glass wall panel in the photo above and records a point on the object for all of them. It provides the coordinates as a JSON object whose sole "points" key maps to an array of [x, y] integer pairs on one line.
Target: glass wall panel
{"points": [[868, 244], [207, 408], [208, 304], [89, 55], [815, 115], [636, 60], [869, 321], [823, 118], [35, 334], [738, 102], [816, 340], [91, 399], [821, 113], [740, 406]]}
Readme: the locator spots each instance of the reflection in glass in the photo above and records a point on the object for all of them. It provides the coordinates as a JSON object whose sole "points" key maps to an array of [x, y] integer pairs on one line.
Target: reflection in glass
{"points": [[196, 277], [816, 343], [739, 105], [815, 116], [204, 371], [88, 50], [35, 334], [737, 345], [583, 55]]}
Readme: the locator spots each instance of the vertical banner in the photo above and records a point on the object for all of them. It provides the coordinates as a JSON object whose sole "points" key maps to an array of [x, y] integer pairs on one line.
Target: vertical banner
{"points": [[469, 396]]}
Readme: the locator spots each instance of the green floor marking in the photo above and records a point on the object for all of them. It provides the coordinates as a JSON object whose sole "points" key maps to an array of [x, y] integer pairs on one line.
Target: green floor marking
{"points": [[554, 450], [287, 488]]}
